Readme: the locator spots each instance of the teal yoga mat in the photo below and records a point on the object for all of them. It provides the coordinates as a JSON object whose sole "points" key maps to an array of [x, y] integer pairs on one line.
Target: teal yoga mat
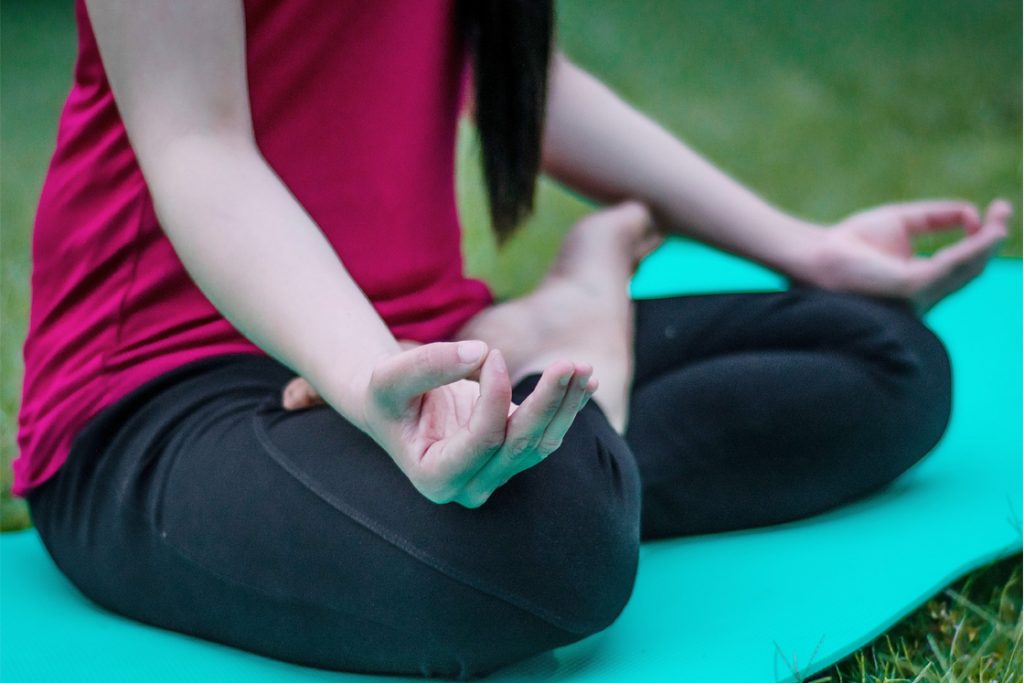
{"points": [[758, 606]]}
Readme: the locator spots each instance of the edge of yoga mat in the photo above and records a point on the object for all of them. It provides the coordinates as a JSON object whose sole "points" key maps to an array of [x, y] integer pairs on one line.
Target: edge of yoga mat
{"points": [[739, 606], [667, 272], [909, 606]]}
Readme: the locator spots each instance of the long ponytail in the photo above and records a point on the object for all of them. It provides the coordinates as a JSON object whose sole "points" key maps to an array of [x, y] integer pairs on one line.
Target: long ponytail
{"points": [[510, 42]]}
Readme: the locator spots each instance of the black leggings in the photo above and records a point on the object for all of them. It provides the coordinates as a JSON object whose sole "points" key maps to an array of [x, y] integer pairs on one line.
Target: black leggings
{"points": [[198, 504]]}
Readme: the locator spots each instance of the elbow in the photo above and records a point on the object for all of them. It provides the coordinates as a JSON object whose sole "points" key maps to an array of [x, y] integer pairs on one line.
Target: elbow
{"points": [[196, 158]]}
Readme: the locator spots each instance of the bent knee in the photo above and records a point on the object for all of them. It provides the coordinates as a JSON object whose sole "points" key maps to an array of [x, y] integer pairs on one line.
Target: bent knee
{"points": [[498, 635], [910, 360], [576, 552], [550, 559], [566, 580], [924, 373], [929, 387], [885, 331]]}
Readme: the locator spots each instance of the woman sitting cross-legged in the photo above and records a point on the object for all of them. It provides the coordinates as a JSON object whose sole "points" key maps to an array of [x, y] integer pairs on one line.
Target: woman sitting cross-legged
{"points": [[264, 405]]}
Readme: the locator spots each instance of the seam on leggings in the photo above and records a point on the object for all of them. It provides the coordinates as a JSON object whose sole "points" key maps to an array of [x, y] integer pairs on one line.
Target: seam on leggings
{"points": [[288, 466]]}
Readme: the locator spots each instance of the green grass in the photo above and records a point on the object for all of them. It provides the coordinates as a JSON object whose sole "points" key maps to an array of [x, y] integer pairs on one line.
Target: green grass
{"points": [[825, 108], [971, 632]]}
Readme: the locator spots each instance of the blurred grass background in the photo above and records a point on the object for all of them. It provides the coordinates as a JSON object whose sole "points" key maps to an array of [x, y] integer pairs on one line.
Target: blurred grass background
{"points": [[823, 107]]}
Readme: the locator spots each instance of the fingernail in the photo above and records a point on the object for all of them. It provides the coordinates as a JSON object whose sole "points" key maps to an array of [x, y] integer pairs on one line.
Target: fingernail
{"points": [[472, 351], [582, 382]]}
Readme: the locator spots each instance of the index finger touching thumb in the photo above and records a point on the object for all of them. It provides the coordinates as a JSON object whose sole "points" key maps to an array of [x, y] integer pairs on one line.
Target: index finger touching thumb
{"points": [[406, 375]]}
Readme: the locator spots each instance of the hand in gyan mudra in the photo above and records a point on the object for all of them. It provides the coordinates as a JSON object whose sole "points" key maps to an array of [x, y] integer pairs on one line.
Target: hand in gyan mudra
{"points": [[871, 252]]}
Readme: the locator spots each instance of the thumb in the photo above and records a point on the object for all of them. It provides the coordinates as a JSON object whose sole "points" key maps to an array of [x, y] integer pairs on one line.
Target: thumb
{"points": [[404, 376]]}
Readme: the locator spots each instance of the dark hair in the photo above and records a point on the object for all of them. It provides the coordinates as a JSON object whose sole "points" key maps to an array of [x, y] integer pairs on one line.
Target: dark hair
{"points": [[510, 45]]}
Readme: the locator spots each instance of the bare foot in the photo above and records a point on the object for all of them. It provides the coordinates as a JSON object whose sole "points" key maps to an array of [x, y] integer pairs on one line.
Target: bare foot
{"points": [[581, 311]]}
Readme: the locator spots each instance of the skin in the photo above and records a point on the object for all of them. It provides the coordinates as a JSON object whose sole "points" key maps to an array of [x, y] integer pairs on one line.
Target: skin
{"points": [[586, 288], [869, 252], [447, 422]]}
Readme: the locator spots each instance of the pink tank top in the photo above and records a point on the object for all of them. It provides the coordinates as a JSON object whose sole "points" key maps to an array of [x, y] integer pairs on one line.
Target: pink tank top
{"points": [[355, 106]]}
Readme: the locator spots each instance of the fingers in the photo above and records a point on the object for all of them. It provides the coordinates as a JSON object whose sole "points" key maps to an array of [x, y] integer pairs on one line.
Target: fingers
{"points": [[580, 392], [538, 409], [491, 410], [934, 215], [952, 267], [299, 394], [999, 212], [402, 377], [470, 450], [536, 429], [628, 211], [980, 244]]}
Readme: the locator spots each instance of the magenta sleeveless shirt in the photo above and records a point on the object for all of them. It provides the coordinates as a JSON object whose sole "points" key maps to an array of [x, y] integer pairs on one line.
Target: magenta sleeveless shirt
{"points": [[355, 106]]}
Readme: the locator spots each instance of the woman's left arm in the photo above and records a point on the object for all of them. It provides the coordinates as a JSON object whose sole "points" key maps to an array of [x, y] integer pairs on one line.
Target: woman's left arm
{"points": [[600, 146]]}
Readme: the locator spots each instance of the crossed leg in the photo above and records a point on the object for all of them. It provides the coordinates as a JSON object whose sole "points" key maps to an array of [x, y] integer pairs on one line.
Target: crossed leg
{"points": [[741, 409], [198, 504], [581, 311], [756, 408]]}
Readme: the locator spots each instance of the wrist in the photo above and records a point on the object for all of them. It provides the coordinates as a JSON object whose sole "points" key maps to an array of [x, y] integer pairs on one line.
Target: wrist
{"points": [[758, 232], [798, 248], [348, 390]]}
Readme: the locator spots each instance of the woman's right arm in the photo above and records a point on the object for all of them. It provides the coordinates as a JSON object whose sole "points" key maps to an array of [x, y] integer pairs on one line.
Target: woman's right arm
{"points": [[178, 73]]}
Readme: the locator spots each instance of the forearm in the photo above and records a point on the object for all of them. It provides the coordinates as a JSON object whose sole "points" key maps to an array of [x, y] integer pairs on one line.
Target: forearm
{"points": [[605, 149], [260, 259]]}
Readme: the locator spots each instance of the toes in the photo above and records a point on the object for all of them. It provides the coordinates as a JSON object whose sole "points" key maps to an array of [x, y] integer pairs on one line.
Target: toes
{"points": [[634, 213], [629, 213]]}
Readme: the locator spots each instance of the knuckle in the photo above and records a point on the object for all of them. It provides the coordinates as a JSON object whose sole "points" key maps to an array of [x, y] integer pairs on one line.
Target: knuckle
{"points": [[489, 452], [491, 442], [549, 411], [550, 445], [519, 446]]}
